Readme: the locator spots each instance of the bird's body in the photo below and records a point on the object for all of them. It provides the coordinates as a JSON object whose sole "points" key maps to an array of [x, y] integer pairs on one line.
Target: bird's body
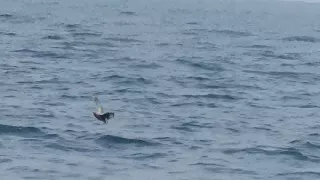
{"points": [[99, 114]]}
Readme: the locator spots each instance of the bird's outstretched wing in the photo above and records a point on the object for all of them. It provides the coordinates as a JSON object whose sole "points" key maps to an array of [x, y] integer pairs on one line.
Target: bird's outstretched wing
{"points": [[100, 108]]}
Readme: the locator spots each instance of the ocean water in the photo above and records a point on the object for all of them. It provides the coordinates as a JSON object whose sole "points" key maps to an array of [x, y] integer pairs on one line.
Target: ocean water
{"points": [[201, 89]]}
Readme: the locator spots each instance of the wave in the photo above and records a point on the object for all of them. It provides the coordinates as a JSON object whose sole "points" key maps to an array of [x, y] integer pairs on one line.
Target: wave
{"points": [[123, 40], [163, 44], [128, 13], [210, 96], [286, 56], [301, 173], [306, 106], [195, 124], [194, 103], [6, 16], [53, 37], [192, 126], [71, 27], [20, 130], [8, 33], [232, 33], [314, 134], [261, 128], [52, 80], [302, 39], [68, 146], [307, 145], [147, 66], [198, 78], [192, 23], [86, 34], [42, 54], [260, 46], [294, 152], [171, 140], [112, 141], [5, 160], [183, 128], [127, 80], [201, 65], [126, 90], [213, 167], [233, 130], [144, 156], [286, 74]]}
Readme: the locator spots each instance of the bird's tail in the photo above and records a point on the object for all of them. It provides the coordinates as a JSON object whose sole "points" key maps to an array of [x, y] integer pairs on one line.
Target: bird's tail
{"points": [[108, 115]]}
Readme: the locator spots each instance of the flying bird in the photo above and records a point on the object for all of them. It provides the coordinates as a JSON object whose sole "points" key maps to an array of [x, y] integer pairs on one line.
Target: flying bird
{"points": [[99, 114]]}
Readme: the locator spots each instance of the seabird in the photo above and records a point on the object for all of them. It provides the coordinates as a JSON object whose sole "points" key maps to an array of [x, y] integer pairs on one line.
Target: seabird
{"points": [[99, 114]]}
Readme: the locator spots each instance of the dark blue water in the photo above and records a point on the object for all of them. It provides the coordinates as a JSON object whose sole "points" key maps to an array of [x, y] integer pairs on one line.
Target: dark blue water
{"points": [[200, 89]]}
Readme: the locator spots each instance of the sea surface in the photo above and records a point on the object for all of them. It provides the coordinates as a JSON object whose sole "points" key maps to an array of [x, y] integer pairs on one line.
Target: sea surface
{"points": [[201, 89]]}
